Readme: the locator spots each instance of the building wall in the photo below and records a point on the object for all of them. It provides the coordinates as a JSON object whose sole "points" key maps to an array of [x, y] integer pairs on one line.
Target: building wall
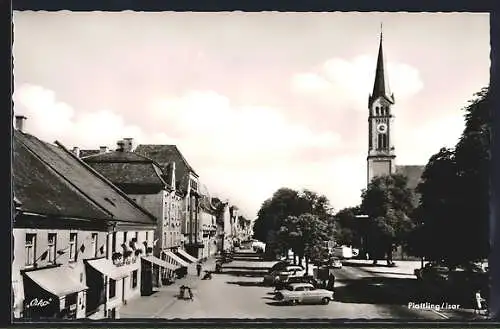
{"points": [[62, 243], [157, 204], [208, 222], [124, 289]]}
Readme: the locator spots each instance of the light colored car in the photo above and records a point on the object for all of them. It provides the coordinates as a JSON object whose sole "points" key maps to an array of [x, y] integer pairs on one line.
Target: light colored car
{"points": [[336, 263], [303, 293]]}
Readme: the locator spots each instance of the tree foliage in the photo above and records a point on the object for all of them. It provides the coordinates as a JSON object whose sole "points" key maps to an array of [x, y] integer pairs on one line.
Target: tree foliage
{"points": [[455, 193], [291, 219], [388, 202], [348, 227]]}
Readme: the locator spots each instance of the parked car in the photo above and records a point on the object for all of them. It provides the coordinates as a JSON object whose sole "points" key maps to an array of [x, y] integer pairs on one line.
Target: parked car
{"points": [[296, 279], [433, 272], [302, 293], [336, 263], [283, 274], [279, 266]]}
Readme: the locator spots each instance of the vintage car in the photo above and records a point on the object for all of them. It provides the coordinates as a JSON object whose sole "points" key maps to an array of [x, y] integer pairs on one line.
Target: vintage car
{"points": [[433, 272], [296, 279], [303, 293], [336, 263], [283, 274]]}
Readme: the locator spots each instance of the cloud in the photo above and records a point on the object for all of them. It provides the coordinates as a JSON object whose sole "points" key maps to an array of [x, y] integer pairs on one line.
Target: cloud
{"points": [[242, 153], [346, 83], [51, 119]]}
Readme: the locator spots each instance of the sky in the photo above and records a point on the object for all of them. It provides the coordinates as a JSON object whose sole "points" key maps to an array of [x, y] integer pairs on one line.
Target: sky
{"points": [[254, 101]]}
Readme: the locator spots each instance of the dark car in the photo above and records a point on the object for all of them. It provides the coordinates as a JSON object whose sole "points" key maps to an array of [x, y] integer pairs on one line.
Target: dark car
{"points": [[281, 265], [297, 279], [433, 272]]}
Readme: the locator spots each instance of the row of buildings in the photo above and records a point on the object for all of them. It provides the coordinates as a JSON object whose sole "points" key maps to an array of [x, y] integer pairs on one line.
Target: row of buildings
{"points": [[93, 229]]}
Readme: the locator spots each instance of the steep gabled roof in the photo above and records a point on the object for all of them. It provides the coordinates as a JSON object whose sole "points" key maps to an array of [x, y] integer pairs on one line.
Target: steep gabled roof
{"points": [[166, 154], [86, 153], [130, 171], [49, 179]]}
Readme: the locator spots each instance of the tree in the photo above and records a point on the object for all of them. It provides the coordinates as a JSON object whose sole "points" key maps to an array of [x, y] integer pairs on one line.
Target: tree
{"points": [[284, 202], [348, 227], [306, 236], [388, 202], [455, 193], [275, 222]]}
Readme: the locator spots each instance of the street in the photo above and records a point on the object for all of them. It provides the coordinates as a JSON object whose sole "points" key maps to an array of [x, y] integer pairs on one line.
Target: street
{"points": [[361, 292]]}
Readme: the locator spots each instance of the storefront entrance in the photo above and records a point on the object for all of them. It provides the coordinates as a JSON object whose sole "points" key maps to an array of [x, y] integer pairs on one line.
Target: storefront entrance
{"points": [[51, 293]]}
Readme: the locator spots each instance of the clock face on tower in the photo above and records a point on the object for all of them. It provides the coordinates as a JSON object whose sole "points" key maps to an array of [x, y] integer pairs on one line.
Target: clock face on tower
{"points": [[382, 128]]}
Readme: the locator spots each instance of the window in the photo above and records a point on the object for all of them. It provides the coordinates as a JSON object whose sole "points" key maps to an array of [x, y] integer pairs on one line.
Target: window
{"points": [[51, 244], [382, 141], [112, 288], [147, 236], [134, 279], [125, 237], [94, 244], [136, 236], [113, 242], [164, 239], [377, 110], [30, 246], [72, 247]]}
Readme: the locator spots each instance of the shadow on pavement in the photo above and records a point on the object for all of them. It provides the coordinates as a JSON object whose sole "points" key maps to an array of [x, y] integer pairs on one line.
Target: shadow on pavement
{"points": [[247, 283], [352, 264], [277, 304], [392, 291], [394, 273], [248, 274], [248, 268]]}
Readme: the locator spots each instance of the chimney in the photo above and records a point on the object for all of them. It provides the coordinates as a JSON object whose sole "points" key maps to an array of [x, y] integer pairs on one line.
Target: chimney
{"points": [[172, 175], [76, 151], [103, 149], [121, 145], [128, 144], [20, 119]]}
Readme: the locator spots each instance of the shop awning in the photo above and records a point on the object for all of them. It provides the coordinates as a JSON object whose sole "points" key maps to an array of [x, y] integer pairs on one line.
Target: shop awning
{"points": [[184, 254], [60, 281], [176, 259], [106, 267], [159, 262]]}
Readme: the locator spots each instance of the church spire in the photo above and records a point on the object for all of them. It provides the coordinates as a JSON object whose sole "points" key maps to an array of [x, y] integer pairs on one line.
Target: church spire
{"points": [[381, 85]]}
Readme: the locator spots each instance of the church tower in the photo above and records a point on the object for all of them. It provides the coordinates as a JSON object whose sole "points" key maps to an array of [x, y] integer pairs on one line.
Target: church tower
{"points": [[381, 156]]}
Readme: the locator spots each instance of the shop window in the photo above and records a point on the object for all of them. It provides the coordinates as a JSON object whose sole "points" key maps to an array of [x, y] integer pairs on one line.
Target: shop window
{"points": [[51, 244], [134, 279], [29, 247], [94, 244], [72, 246], [112, 288]]}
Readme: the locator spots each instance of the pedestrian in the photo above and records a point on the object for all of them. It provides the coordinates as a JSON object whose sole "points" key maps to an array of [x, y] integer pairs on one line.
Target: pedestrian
{"points": [[331, 282], [198, 269], [190, 294], [479, 302]]}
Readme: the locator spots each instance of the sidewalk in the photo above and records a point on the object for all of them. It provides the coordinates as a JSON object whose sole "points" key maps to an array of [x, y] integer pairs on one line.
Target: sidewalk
{"points": [[403, 268], [154, 305]]}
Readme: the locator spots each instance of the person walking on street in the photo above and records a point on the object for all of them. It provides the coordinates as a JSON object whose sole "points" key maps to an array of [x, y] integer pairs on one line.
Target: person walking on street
{"points": [[190, 294], [198, 269], [331, 282]]}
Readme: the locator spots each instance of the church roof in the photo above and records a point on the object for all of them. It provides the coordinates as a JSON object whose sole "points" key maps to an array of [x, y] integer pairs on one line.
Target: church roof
{"points": [[381, 84], [412, 172]]}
